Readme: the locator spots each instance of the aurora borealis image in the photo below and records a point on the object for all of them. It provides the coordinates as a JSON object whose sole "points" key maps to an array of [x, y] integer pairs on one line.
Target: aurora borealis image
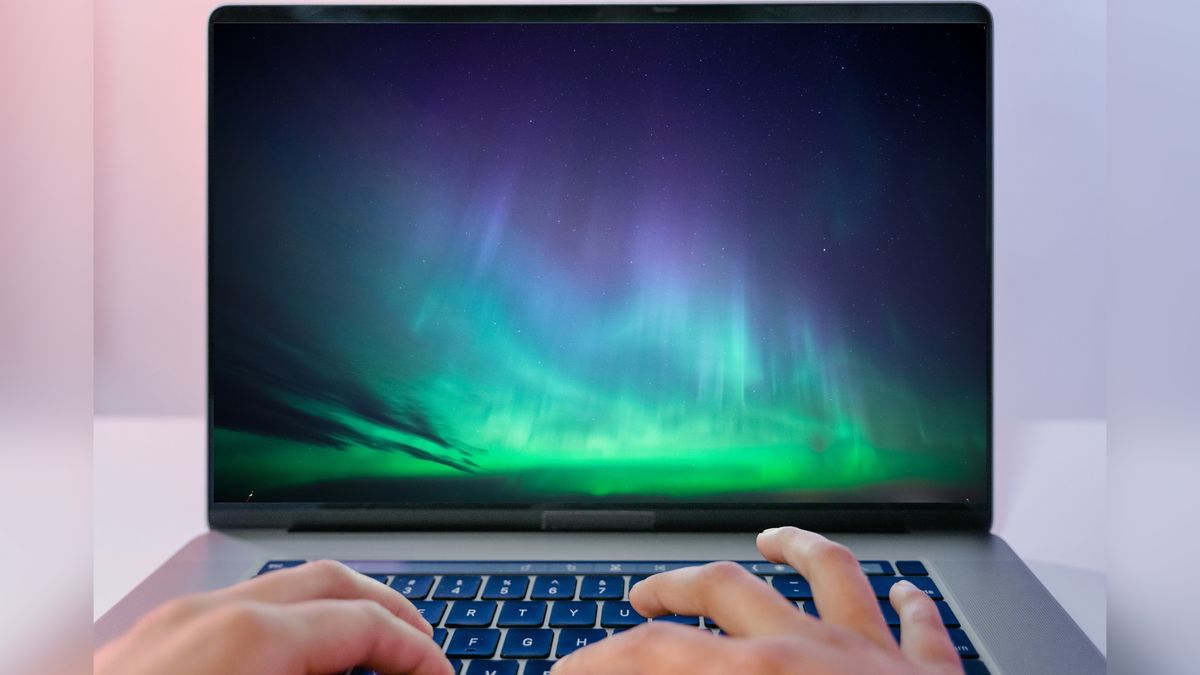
{"points": [[618, 262]]}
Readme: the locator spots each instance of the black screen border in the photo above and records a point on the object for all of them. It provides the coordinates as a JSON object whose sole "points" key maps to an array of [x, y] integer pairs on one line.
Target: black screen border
{"points": [[690, 516]]}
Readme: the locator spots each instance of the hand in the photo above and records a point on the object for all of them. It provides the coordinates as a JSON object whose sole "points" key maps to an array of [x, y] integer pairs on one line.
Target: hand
{"points": [[769, 634], [318, 618]]}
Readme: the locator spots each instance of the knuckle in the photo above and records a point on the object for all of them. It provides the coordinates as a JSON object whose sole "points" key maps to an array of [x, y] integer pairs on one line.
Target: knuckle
{"points": [[373, 610], [247, 621], [723, 571], [771, 656], [921, 610], [173, 611], [332, 574], [832, 554]]}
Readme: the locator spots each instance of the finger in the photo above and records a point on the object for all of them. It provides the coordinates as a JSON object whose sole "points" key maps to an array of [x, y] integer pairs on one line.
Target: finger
{"points": [[653, 648], [323, 579], [923, 638], [333, 635], [843, 595], [738, 601]]}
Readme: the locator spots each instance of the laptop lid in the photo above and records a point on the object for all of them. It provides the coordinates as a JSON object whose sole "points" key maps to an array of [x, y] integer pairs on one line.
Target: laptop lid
{"points": [[600, 267]]}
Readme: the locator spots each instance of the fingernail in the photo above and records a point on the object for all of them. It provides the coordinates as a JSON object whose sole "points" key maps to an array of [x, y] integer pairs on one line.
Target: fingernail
{"points": [[906, 585], [769, 530]]}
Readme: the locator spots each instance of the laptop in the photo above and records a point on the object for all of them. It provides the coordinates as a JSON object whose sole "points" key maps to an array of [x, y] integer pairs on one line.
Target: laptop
{"points": [[520, 304]]}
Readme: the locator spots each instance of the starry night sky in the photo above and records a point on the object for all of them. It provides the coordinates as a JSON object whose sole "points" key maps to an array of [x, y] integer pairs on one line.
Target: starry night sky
{"points": [[662, 262]]}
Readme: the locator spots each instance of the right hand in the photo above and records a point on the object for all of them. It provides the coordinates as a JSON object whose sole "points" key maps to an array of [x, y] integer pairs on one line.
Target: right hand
{"points": [[766, 634]]}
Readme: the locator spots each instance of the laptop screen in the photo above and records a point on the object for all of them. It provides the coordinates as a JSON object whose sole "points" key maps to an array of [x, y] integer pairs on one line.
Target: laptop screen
{"points": [[581, 263]]}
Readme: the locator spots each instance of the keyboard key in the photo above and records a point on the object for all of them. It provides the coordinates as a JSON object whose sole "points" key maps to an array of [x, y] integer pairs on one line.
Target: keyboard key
{"points": [[381, 578], [456, 665], [889, 613], [492, 668], [794, 586], [962, 643], [810, 608], [467, 613], [884, 584], [279, 565], [948, 617], [522, 614], [633, 580], [873, 568], [527, 643], [619, 614], [439, 636], [553, 588], [457, 588], [602, 588], [473, 643], [413, 587], [538, 667], [573, 614], [432, 610], [359, 670], [675, 618], [570, 639], [975, 667], [506, 588], [911, 568]]}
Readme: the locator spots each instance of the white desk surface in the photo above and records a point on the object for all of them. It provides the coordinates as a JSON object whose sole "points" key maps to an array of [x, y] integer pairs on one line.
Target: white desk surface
{"points": [[1050, 494]]}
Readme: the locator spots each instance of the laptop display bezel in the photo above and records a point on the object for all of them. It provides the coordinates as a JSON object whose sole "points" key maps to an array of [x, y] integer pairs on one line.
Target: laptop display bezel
{"points": [[691, 516]]}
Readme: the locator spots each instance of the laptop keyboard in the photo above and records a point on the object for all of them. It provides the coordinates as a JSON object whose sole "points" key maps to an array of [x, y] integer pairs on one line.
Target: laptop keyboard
{"points": [[516, 618]]}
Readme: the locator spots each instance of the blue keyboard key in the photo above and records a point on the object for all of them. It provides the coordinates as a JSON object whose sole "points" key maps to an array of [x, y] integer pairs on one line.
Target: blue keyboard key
{"points": [[381, 578], [439, 636], [431, 610], [522, 614], [975, 667], [876, 567], [633, 580], [617, 614], [571, 639], [948, 617], [573, 614], [492, 668], [889, 613], [911, 568], [962, 643], [884, 584], [602, 588], [457, 588], [359, 670], [538, 667], [506, 588], [527, 643], [279, 565], [675, 618], [473, 643], [794, 586], [467, 613], [413, 587], [456, 666], [810, 608], [553, 588]]}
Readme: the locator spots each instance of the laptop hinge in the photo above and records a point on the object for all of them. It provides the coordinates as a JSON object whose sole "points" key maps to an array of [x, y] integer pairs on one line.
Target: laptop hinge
{"points": [[598, 520]]}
